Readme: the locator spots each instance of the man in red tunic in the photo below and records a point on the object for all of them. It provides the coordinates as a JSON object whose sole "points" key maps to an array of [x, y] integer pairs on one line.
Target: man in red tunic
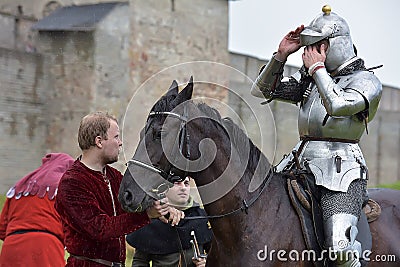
{"points": [[93, 221], [29, 225]]}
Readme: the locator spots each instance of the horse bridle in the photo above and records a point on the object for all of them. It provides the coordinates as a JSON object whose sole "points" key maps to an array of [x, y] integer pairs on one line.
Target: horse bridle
{"points": [[169, 175]]}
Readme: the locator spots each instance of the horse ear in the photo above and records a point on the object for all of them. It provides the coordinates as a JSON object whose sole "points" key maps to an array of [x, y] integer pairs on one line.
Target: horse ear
{"points": [[173, 89], [186, 93], [188, 90]]}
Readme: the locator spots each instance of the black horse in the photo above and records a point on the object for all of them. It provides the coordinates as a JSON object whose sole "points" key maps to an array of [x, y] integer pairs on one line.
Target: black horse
{"points": [[250, 211]]}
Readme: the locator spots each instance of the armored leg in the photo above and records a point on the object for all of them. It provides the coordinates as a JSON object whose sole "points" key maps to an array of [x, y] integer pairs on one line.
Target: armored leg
{"points": [[340, 233]]}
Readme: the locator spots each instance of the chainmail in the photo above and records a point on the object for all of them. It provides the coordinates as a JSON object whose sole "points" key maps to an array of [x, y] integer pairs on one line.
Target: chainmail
{"points": [[333, 202], [292, 90], [352, 67], [297, 91]]}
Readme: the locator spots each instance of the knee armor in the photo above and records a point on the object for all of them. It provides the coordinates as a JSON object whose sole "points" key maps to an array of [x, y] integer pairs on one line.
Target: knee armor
{"points": [[340, 233]]}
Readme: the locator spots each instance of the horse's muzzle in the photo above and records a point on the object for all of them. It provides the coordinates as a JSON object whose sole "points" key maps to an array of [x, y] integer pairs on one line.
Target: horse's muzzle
{"points": [[128, 202], [132, 202]]}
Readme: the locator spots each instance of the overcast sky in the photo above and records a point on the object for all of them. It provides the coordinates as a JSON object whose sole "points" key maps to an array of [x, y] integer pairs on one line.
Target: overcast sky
{"points": [[257, 26]]}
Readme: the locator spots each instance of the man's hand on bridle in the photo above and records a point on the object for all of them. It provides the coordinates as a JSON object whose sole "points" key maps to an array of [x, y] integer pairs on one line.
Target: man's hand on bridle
{"points": [[164, 212], [159, 208], [174, 217]]}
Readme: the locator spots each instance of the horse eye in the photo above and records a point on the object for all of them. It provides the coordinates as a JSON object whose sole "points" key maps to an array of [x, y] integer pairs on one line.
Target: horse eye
{"points": [[157, 135]]}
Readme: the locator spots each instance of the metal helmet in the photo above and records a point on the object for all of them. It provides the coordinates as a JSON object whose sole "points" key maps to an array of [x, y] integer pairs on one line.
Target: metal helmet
{"points": [[329, 25]]}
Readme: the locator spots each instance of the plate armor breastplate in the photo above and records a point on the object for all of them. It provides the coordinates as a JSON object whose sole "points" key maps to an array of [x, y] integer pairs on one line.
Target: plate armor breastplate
{"points": [[313, 120]]}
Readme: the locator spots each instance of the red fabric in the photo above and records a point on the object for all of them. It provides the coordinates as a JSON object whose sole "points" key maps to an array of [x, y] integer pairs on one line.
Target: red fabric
{"points": [[43, 179], [85, 206], [31, 249], [30, 210]]}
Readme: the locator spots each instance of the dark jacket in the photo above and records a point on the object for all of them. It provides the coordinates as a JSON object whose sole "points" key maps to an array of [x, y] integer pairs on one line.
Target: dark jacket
{"points": [[162, 238]]}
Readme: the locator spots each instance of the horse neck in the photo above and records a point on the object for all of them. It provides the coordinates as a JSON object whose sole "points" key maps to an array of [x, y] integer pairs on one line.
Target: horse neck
{"points": [[240, 169], [223, 226], [265, 213], [229, 229]]}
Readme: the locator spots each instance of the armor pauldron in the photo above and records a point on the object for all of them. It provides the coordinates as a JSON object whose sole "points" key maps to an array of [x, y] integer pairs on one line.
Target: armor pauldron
{"points": [[338, 99], [368, 85]]}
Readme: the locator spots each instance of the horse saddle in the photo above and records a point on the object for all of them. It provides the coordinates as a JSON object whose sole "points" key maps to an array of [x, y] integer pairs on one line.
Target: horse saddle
{"points": [[303, 195]]}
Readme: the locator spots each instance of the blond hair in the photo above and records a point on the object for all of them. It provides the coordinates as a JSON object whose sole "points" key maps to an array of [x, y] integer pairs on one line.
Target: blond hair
{"points": [[93, 125]]}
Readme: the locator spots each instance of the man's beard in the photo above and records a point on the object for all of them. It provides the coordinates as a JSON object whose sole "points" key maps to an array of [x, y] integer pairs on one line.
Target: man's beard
{"points": [[111, 160]]}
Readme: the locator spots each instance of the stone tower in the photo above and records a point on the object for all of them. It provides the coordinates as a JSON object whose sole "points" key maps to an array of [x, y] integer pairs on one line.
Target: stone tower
{"points": [[67, 71]]}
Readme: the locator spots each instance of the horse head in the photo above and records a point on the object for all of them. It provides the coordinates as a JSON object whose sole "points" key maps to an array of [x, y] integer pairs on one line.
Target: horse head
{"points": [[150, 173], [183, 138]]}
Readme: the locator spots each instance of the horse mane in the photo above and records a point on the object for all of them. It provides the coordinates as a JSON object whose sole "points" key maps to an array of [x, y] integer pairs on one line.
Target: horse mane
{"points": [[164, 104], [239, 139]]}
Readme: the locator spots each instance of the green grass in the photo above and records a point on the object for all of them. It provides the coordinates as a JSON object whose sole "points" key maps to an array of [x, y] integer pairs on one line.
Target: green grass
{"points": [[129, 255], [392, 186], [2, 200]]}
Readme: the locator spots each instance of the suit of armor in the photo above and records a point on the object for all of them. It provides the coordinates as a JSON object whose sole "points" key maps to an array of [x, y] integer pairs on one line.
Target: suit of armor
{"points": [[337, 100]]}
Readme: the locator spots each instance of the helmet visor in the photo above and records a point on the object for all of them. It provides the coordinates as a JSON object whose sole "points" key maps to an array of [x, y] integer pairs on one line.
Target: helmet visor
{"points": [[311, 36]]}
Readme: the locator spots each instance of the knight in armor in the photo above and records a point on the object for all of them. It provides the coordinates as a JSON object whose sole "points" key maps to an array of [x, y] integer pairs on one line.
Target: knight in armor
{"points": [[337, 97]]}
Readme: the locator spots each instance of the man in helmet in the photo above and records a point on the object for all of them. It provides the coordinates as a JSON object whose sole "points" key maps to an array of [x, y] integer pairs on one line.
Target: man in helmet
{"points": [[338, 96]]}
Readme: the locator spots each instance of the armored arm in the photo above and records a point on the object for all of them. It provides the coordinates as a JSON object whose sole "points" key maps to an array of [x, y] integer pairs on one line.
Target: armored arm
{"points": [[350, 95], [268, 79], [271, 84]]}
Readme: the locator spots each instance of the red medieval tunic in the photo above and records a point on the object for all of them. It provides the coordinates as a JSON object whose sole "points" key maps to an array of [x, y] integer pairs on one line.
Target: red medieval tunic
{"points": [[87, 208], [31, 248], [29, 224]]}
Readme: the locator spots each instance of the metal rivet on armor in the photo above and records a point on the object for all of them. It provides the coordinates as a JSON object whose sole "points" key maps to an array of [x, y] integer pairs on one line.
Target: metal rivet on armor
{"points": [[326, 9]]}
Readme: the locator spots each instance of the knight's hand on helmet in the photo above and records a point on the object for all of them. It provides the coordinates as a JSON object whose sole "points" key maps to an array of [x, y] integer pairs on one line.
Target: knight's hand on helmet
{"points": [[313, 54], [289, 44]]}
